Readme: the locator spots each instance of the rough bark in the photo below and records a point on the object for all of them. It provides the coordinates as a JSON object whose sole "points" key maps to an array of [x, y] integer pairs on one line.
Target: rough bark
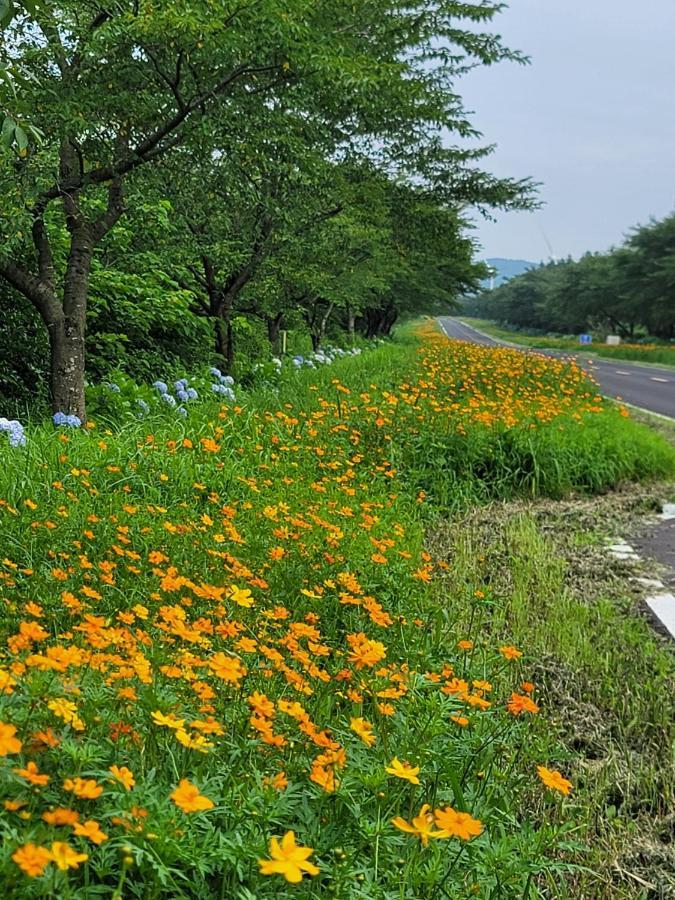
{"points": [[66, 340]]}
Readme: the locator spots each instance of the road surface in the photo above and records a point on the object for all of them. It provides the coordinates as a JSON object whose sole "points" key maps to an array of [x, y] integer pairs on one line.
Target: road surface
{"points": [[648, 387]]}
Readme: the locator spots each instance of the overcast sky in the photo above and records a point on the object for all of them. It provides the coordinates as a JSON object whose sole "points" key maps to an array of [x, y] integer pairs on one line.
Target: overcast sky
{"points": [[592, 117]]}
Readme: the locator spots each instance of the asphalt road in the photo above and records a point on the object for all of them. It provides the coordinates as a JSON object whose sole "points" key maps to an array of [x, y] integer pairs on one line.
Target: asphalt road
{"points": [[648, 387]]}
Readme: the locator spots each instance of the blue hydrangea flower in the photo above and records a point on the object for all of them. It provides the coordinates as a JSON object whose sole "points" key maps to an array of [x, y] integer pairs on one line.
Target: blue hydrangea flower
{"points": [[115, 388], [192, 394], [227, 379], [161, 387], [181, 384], [14, 431], [143, 405], [168, 399], [215, 372], [72, 421], [182, 395], [223, 390], [182, 411]]}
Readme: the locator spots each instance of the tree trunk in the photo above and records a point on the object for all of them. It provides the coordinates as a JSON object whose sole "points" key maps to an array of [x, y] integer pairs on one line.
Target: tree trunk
{"points": [[66, 335], [351, 323], [274, 324], [66, 341], [224, 339]]}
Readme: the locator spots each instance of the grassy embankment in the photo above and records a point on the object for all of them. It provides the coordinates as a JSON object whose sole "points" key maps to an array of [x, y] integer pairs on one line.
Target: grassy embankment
{"points": [[222, 629], [652, 354]]}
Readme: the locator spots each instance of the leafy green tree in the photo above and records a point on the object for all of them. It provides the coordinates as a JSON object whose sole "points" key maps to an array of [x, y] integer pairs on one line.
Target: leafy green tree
{"points": [[118, 88]]}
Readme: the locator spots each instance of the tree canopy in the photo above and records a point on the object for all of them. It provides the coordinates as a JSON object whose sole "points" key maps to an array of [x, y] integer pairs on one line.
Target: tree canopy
{"points": [[629, 291], [263, 162]]}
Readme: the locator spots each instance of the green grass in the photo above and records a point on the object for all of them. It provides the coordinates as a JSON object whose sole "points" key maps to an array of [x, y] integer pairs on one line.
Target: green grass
{"points": [[648, 354]]}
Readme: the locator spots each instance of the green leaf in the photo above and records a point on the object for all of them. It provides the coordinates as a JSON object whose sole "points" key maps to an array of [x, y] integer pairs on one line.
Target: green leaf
{"points": [[6, 12], [21, 140], [7, 133]]}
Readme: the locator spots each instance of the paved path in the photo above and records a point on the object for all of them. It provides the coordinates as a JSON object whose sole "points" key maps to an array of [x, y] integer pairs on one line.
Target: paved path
{"points": [[648, 387]]}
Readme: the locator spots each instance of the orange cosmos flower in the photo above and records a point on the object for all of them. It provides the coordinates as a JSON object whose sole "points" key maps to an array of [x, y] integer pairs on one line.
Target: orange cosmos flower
{"points": [[45, 738], [279, 782], [554, 780], [90, 830], [187, 797], [61, 816], [31, 859], [288, 859], [32, 774], [519, 703], [457, 824], [403, 770], [65, 857], [422, 826], [364, 651], [229, 668], [8, 742], [123, 775], [510, 652], [84, 788]]}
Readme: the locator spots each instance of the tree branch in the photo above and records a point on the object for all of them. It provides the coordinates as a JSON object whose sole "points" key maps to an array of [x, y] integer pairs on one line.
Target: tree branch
{"points": [[114, 209], [34, 290]]}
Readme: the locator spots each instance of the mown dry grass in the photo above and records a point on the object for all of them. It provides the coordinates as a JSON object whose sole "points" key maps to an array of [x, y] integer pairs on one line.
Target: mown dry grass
{"points": [[607, 678]]}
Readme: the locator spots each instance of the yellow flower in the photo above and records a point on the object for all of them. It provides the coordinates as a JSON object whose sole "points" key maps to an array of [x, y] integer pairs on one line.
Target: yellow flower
{"points": [[193, 741], [123, 775], [169, 721], [510, 652], [187, 797], [554, 780], [241, 596], [403, 770], [288, 859], [65, 857], [422, 825], [457, 824], [364, 730]]}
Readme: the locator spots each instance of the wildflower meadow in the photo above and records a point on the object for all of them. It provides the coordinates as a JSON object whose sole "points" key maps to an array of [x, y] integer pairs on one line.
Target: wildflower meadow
{"points": [[226, 668]]}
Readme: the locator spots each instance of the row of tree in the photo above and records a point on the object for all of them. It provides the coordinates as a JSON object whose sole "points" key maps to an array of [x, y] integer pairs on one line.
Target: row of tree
{"points": [[202, 162], [629, 291]]}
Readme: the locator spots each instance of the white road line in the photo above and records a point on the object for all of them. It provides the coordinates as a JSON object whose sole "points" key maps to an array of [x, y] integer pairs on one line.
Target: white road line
{"points": [[618, 372], [663, 607], [660, 380]]}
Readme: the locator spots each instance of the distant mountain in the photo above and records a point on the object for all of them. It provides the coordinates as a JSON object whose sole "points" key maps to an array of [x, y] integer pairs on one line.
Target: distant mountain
{"points": [[507, 268]]}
